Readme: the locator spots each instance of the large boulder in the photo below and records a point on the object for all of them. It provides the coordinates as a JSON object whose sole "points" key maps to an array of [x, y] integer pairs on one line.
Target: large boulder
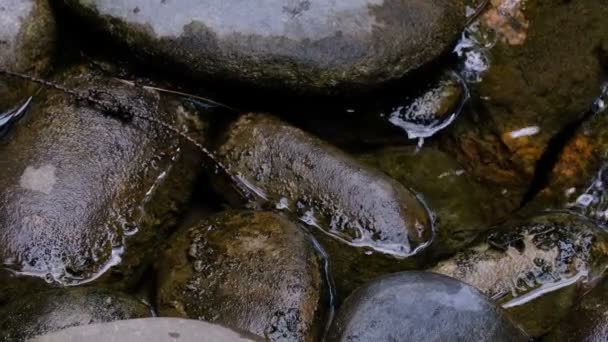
{"points": [[316, 46], [418, 306], [81, 191], [253, 271], [27, 44], [54, 310], [535, 268], [355, 210]]}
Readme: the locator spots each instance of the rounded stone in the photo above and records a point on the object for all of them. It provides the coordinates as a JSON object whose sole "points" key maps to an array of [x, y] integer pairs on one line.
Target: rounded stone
{"points": [[82, 192], [254, 271], [314, 46], [418, 306], [27, 44], [148, 330], [536, 268], [54, 310]]}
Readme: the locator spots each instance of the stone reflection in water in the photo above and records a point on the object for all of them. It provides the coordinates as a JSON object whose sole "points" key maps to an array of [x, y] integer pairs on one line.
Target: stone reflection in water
{"points": [[534, 268]]}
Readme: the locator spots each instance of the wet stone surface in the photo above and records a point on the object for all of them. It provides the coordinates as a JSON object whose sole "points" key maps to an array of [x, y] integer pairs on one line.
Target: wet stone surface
{"points": [[81, 191], [546, 67], [54, 310], [418, 306], [27, 44], [313, 46], [535, 268], [253, 271], [588, 320]]}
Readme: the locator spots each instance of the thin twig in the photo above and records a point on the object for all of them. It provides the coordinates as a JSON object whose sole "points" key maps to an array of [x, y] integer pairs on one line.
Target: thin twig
{"points": [[179, 93], [478, 12], [122, 111]]}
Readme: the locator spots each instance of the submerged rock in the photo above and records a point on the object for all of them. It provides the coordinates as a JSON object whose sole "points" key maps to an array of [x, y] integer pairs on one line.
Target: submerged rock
{"points": [[81, 192], [58, 309], [148, 330], [534, 268], [329, 189], [27, 44], [463, 207], [418, 306], [355, 210], [254, 271], [545, 71], [316, 46], [588, 321]]}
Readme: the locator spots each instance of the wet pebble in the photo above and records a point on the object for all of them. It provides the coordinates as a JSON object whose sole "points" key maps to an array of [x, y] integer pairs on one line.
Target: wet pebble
{"points": [[82, 192], [253, 271], [54, 310], [535, 268], [27, 44], [312, 46], [418, 306]]}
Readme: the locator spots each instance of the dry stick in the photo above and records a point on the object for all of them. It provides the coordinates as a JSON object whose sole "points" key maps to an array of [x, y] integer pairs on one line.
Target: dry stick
{"points": [[120, 110], [479, 11]]}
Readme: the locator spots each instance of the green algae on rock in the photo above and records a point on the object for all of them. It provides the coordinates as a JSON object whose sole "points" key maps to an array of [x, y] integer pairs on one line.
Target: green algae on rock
{"points": [[311, 46], [27, 44], [82, 192], [534, 268], [419, 306], [254, 271], [54, 310], [588, 321], [533, 89]]}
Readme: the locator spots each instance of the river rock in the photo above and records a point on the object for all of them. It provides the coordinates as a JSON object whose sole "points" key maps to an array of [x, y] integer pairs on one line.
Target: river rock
{"points": [[535, 268], [463, 207], [82, 191], [254, 271], [54, 310], [27, 44], [354, 210], [148, 330], [545, 70], [311, 46], [588, 321], [418, 306]]}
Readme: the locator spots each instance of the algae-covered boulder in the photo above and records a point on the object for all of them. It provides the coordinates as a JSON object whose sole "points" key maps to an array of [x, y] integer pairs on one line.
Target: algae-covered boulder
{"points": [[535, 268], [54, 310], [252, 271], [81, 191], [312, 46]]}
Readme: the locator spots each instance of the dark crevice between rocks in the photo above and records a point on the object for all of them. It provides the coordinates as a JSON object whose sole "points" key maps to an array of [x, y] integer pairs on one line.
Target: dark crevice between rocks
{"points": [[551, 155]]}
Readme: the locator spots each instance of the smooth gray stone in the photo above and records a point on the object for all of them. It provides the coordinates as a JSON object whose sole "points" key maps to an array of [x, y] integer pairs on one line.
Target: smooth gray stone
{"points": [[315, 46], [420, 306], [147, 330]]}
